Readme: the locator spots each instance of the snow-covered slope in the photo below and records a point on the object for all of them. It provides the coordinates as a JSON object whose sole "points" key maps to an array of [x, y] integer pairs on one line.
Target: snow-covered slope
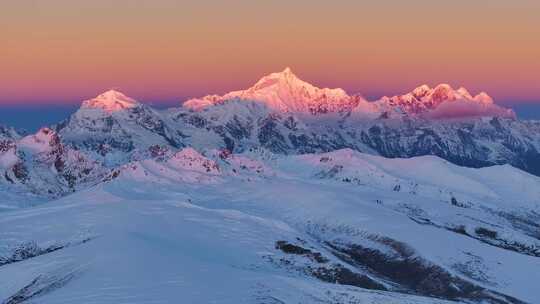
{"points": [[338, 227]]}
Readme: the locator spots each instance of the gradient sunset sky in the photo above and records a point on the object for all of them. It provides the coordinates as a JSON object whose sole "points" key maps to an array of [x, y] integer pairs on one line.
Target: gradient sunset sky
{"points": [[64, 51]]}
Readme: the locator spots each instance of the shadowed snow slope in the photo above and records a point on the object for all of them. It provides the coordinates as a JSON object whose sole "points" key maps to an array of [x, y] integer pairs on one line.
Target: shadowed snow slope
{"points": [[40, 164], [339, 227]]}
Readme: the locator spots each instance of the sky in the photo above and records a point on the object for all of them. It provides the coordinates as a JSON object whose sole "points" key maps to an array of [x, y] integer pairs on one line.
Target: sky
{"points": [[60, 52]]}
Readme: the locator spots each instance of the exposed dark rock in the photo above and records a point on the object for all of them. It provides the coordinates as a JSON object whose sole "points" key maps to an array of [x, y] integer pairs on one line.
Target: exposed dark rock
{"points": [[338, 274], [20, 171], [484, 232], [41, 285], [295, 249], [26, 251], [414, 273], [331, 273]]}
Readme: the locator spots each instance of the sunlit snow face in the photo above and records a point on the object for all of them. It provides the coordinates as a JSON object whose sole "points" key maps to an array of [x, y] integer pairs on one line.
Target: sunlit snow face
{"points": [[110, 101]]}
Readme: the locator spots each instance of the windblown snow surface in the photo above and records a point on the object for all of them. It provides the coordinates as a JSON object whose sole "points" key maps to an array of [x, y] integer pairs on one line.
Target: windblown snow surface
{"points": [[340, 227]]}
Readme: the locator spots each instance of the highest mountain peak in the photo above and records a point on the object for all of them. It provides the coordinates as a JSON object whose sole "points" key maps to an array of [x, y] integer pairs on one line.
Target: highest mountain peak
{"points": [[287, 72], [285, 92], [285, 78], [110, 101]]}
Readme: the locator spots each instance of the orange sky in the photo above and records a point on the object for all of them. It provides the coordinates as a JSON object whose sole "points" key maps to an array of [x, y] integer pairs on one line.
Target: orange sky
{"points": [[64, 50]]}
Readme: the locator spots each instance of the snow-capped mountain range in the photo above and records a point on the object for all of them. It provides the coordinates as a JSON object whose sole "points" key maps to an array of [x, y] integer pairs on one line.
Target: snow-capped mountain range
{"points": [[284, 115], [287, 115], [284, 92], [444, 102]]}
